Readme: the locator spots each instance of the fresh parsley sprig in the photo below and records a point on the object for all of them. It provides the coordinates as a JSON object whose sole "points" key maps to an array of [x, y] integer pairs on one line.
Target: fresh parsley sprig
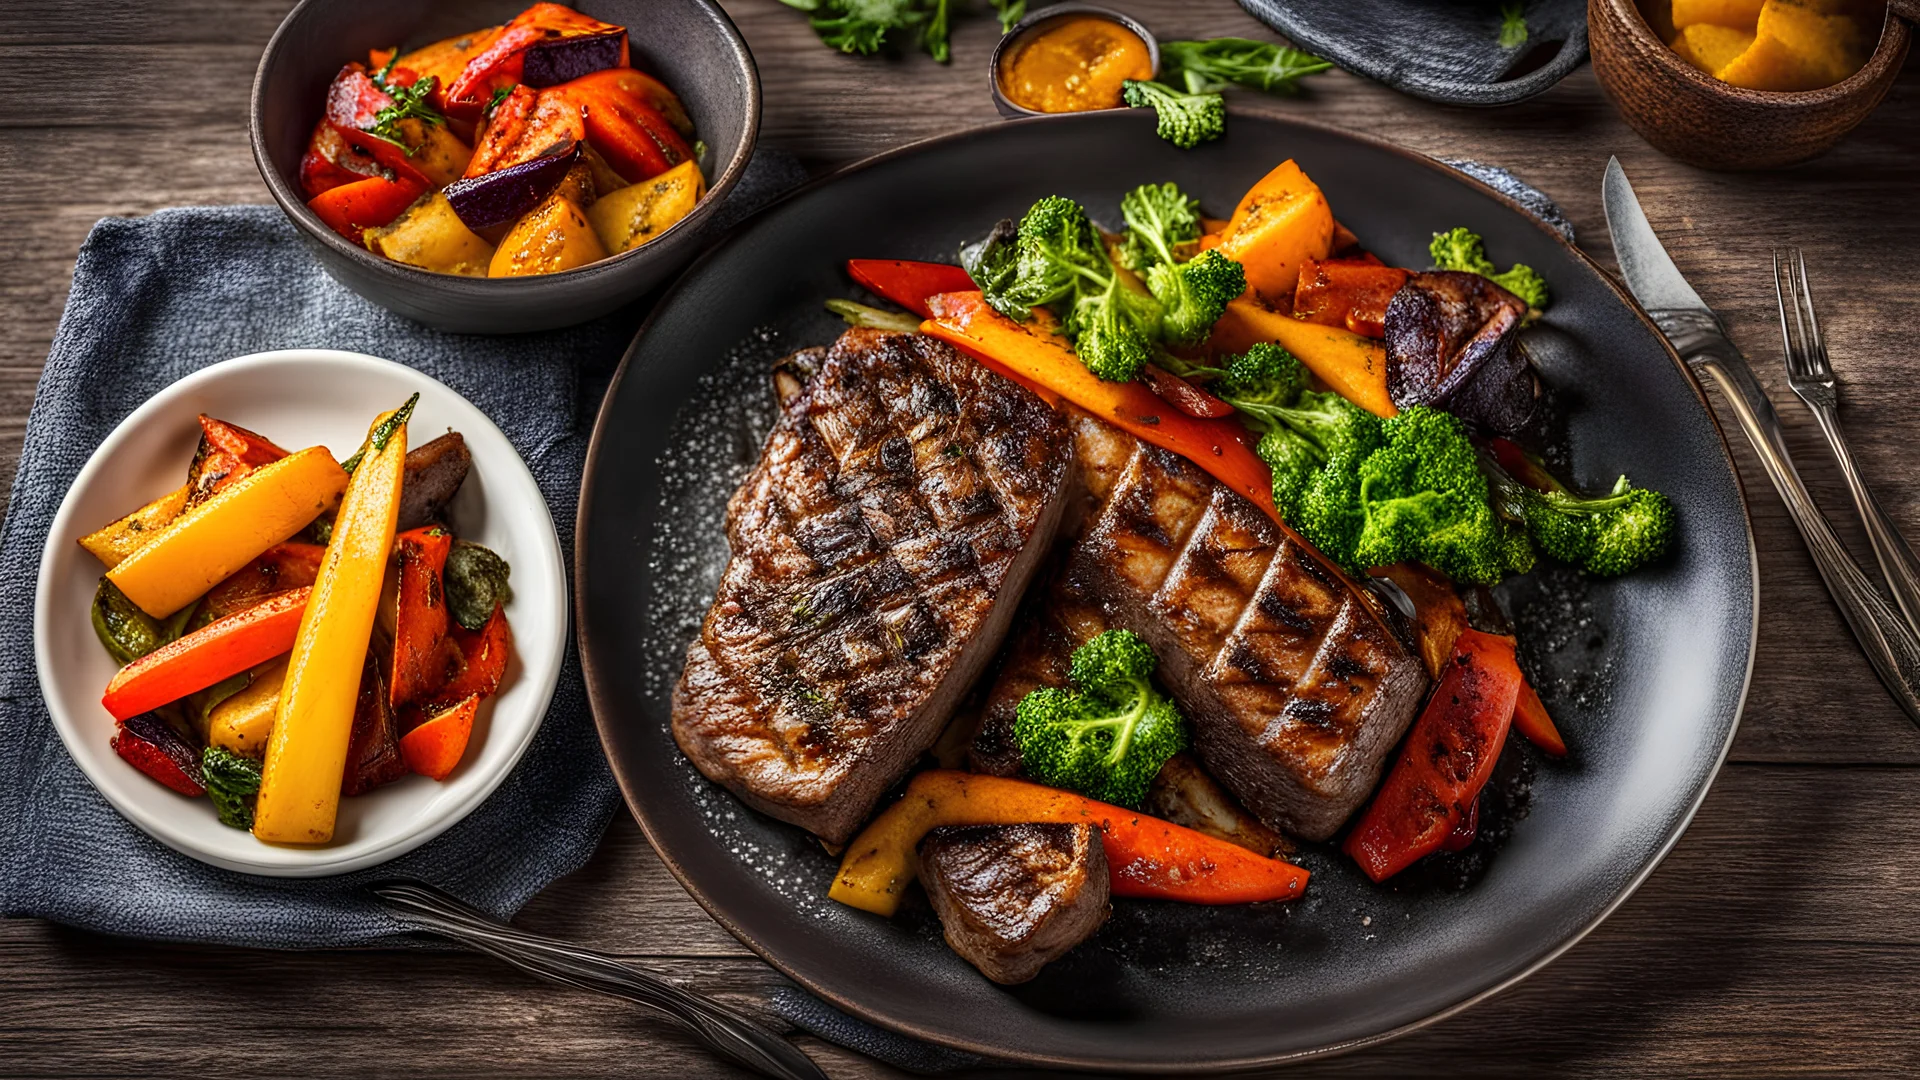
{"points": [[409, 103], [1210, 65]]}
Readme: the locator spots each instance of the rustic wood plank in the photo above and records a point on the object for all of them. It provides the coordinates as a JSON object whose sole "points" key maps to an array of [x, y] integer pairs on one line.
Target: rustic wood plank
{"points": [[1776, 938]]}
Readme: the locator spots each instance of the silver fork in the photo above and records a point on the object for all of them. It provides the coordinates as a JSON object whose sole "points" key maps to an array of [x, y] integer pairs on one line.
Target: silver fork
{"points": [[1811, 377]]}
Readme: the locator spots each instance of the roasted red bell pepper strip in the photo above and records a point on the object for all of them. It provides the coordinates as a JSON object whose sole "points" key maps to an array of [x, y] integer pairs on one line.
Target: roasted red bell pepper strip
{"points": [[1351, 293], [528, 124], [1531, 720], [505, 124], [420, 666], [906, 283], [1462, 835], [502, 62], [292, 565], [149, 744], [1445, 761], [643, 88], [1223, 447], [434, 748], [483, 655], [353, 106], [1146, 857], [225, 647], [1183, 395], [352, 209], [631, 135], [226, 453]]}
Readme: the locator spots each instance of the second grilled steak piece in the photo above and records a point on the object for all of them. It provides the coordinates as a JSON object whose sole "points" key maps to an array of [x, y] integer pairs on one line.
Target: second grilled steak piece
{"points": [[1296, 687], [880, 547], [1013, 898]]}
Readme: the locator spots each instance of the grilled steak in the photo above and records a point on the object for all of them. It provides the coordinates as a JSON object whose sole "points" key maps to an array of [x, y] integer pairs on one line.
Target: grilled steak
{"points": [[1013, 898], [1296, 687], [880, 547]]}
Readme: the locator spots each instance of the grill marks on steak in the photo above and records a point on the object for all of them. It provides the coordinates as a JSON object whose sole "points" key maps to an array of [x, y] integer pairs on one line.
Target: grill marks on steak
{"points": [[1012, 898], [899, 507], [1296, 688]]}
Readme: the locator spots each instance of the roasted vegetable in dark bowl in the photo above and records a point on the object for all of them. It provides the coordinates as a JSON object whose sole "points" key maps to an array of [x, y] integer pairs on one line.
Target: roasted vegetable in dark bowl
{"points": [[428, 150]]}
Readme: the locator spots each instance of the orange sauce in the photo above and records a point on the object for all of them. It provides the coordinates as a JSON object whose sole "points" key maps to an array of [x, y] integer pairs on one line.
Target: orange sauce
{"points": [[1073, 64]]}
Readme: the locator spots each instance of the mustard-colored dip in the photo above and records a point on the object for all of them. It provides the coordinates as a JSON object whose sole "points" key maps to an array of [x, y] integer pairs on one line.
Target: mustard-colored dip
{"points": [[1073, 64]]}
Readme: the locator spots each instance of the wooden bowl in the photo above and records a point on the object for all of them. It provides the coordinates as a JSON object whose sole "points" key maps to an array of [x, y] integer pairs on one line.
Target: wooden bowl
{"points": [[1694, 117]]}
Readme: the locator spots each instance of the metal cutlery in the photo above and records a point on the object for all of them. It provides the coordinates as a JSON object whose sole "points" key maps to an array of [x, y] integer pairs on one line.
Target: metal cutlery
{"points": [[1811, 377], [1698, 336], [727, 1033]]}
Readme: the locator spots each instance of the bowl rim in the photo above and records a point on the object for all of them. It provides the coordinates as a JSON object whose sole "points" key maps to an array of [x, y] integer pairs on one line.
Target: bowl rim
{"points": [[322, 860], [1032, 20], [296, 208], [1888, 48]]}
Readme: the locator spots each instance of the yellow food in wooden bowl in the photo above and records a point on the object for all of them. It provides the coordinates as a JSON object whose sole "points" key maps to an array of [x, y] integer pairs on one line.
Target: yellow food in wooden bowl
{"points": [[1776, 44]]}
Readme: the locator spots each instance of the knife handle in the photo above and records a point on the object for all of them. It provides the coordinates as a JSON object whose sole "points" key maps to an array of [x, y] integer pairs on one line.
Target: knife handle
{"points": [[1883, 634]]}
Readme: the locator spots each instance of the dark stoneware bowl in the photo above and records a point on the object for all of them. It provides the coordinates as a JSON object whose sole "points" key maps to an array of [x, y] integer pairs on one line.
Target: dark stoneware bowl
{"points": [[1645, 674], [689, 44], [1691, 116]]}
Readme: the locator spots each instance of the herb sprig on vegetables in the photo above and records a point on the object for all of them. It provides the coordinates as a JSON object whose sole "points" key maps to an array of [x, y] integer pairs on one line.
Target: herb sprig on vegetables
{"points": [[409, 103], [1210, 65], [867, 26]]}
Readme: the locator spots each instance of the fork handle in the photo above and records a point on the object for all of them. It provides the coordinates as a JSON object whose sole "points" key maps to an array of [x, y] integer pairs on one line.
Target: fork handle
{"points": [[725, 1032], [1890, 644], [1890, 549]]}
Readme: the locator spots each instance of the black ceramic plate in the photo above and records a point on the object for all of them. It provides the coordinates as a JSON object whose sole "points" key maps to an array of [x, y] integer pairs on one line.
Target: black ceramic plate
{"points": [[1645, 675]]}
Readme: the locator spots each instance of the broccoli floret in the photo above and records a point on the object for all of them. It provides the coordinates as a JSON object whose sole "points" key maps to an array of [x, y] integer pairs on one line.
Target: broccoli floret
{"points": [[1185, 120], [1462, 249], [1294, 462], [1265, 375], [1330, 514], [1607, 535], [1195, 294], [1113, 331], [1060, 261], [1110, 734], [1424, 499], [1161, 220]]}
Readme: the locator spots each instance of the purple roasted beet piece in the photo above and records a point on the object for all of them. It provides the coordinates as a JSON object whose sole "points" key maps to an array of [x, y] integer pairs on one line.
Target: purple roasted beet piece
{"points": [[552, 62], [504, 194], [151, 745]]}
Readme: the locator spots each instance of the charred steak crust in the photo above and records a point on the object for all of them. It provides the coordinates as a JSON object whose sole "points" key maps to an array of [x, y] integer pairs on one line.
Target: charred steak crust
{"points": [[879, 549], [1296, 687], [1012, 898]]}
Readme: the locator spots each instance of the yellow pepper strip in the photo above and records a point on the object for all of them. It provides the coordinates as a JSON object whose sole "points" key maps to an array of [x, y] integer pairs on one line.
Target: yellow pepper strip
{"points": [[1352, 366], [114, 543], [1146, 857], [242, 722], [205, 545], [307, 750]]}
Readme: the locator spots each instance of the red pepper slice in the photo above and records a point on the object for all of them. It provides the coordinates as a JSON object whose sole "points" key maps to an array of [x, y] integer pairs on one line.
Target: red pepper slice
{"points": [[502, 63], [226, 453], [225, 647], [1183, 395], [291, 565], [1445, 762], [1158, 860], [1462, 836], [435, 747], [1531, 720], [420, 665], [907, 283], [483, 654], [505, 125], [637, 141], [353, 103], [643, 88], [1349, 293], [147, 743], [352, 209]]}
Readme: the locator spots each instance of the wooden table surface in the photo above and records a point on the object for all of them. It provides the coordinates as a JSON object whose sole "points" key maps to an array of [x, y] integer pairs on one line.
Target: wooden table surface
{"points": [[1774, 939]]}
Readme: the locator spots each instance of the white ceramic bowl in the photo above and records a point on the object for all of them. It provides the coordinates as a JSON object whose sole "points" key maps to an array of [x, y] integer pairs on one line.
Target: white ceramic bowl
{"points": [[299, 398]]}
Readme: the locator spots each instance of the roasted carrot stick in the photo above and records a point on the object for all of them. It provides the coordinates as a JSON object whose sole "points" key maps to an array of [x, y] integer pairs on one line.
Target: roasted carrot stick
{"points": [[1146, 857], [434, 748], [225, 647]]}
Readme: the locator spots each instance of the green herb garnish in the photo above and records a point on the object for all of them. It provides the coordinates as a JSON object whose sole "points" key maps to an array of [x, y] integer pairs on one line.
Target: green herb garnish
{"points": [[232, 783], [378, 440], [1209, 65], [1513, 25], [500, 94], [475, 580], [409, 103]]}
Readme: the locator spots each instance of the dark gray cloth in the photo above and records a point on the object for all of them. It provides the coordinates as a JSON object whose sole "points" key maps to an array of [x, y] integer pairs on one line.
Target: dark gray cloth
{"points": [[154, 299]]}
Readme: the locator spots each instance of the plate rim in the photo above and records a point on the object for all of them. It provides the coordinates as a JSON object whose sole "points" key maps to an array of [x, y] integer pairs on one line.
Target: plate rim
{"points": [[600, 705], [321, 865]]}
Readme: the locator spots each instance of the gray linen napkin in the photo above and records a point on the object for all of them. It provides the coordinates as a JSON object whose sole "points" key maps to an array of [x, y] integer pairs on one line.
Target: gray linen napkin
{"points": [[154, 299]]}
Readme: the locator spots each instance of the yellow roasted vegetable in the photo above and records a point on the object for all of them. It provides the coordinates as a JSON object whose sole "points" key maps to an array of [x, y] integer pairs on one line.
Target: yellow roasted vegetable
{"points": [[633, 215], [242, 722], [131, 533], [432, 237], [205, 545], [1799, 45], [1282, 221], [1352, 366], [434, 150], [552, 237], [1735, 14], [307, 750], [1711, 48]]}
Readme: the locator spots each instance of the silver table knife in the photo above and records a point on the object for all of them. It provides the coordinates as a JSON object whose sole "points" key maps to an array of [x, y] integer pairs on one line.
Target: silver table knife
{"points": [[1700, 339]]}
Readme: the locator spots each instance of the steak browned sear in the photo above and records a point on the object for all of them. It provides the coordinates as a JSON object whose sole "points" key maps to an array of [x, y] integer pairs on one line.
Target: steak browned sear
{"points": [[879, 549], [1013, 898], [1296, 686]]}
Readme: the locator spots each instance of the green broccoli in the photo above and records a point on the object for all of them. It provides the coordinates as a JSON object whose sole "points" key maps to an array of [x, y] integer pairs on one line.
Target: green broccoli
{"points": [[1424, 499], [1060, 261], [1108, 736], [1185, 120], [1265, 375], [1162, 225], [1330, 514], [1607, 535], [1462, 249], [1294, 462]]}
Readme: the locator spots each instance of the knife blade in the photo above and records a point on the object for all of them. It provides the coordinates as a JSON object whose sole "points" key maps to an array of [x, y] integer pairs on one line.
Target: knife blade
{"points": [[1700, 339]]}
